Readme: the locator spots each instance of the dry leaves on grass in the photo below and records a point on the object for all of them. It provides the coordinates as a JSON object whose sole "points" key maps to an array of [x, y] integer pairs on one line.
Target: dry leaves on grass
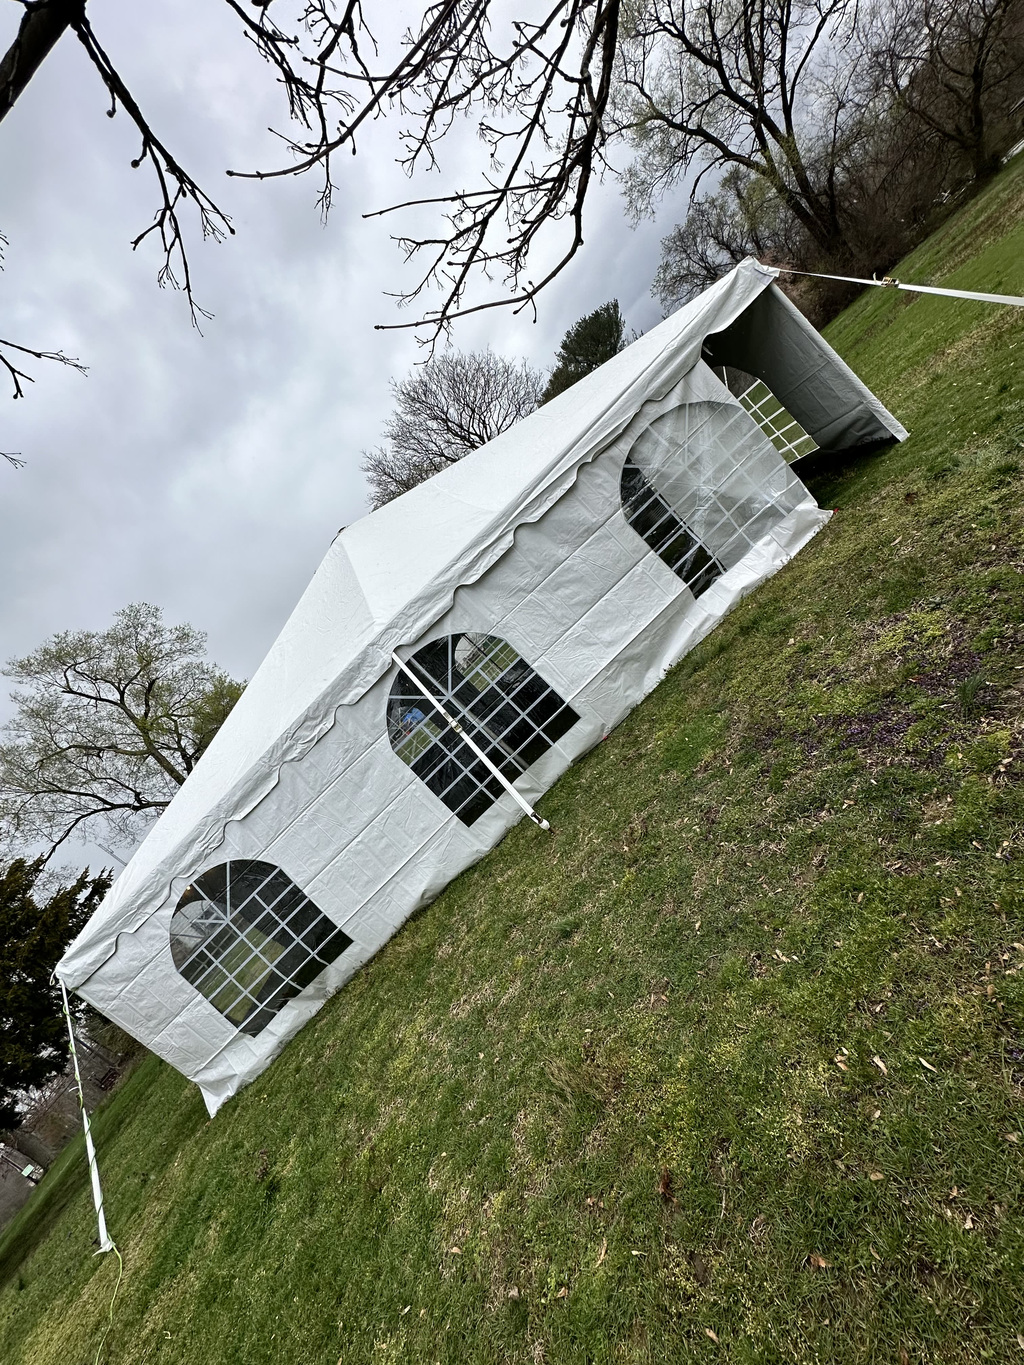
{"points": [[818, 1262], [665, 1188]]}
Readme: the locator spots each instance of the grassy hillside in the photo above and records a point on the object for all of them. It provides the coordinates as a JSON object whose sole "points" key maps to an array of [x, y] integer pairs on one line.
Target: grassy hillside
{"points": [[727, 1068]]}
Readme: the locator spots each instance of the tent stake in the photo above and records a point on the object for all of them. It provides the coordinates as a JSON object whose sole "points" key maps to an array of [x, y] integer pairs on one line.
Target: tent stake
{"points": [[454, 725]]}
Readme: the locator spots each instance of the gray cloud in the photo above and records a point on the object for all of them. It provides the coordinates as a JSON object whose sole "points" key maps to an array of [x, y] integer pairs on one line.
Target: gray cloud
{"points": [[209, 474]]}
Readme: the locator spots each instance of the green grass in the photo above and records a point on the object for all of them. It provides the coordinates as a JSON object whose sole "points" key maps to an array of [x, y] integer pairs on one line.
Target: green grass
{"points": [[737, 1050]]}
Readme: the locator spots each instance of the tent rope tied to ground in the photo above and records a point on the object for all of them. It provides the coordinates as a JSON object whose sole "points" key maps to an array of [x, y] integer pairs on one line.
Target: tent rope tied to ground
{"points": [[888, 282]]}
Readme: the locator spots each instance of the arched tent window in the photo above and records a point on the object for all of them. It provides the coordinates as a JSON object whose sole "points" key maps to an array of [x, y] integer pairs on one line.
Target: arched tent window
{"points": [[702, 486], [673, 542], [776, 421], [507, 709], [249, 940]]}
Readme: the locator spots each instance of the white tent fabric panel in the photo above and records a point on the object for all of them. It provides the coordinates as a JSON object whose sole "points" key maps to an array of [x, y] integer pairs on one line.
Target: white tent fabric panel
{"points": [[774, 341], [526, 540], [389, 574]]}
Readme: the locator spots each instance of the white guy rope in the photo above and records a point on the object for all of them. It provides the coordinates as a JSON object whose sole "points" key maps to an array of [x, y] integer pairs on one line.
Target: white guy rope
{"points": [[94, 1173], [887, 282], [460, 731]]}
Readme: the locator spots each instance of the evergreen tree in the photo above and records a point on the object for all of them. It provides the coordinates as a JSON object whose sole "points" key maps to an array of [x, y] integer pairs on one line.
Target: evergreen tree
{"points": [[33, 935], [587, 344]]}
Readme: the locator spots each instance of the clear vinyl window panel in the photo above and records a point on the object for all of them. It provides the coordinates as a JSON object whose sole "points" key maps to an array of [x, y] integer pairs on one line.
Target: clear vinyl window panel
{"points": [[505, 707], [702, 485], [776, 421], [249, 940], [673, 542]]}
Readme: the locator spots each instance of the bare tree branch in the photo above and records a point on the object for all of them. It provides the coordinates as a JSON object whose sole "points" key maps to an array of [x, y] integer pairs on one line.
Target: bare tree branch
{"points": [[176, 186], [41, 26], [17, 376], [539, 100]]}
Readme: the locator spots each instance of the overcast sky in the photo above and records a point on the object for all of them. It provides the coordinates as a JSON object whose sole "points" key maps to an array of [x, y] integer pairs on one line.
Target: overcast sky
{"points": [[209, 474]]}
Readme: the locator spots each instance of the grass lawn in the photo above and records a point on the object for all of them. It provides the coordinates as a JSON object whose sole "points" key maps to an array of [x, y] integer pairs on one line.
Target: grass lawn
{"points": [[727, 1068]]}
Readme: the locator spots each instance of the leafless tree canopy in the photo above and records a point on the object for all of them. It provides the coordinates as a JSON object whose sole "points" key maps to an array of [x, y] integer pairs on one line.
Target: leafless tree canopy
{"points": [[834, 133], [451, 405], [784, 95], [108, 726], [537, 89], [955, 66], [741, 218], [765, 86]]}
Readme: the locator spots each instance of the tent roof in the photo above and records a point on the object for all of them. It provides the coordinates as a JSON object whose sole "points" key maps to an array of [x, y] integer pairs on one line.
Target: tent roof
{"points": [[384, 580]]}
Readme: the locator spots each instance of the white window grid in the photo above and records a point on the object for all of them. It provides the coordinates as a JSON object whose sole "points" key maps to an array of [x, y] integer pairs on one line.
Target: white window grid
{"points": [[670, 539], [737, 520], [249, 940], [507, 709], [777, 422]]}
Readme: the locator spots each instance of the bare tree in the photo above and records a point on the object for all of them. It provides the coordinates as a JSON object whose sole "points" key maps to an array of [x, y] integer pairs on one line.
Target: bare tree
{"points": [[955, 65], [451, 405], [889, 194], [762, 86], [108, 725], [842, 156], [537, 89], [741, 218]]}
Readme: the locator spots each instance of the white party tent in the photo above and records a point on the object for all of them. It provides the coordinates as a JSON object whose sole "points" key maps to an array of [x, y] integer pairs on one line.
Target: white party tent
{"points": [[532, 594]]}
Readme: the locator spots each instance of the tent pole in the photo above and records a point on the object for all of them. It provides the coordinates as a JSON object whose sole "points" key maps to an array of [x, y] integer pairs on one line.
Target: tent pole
{"points": [[90, 1151], [454, 724]]}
